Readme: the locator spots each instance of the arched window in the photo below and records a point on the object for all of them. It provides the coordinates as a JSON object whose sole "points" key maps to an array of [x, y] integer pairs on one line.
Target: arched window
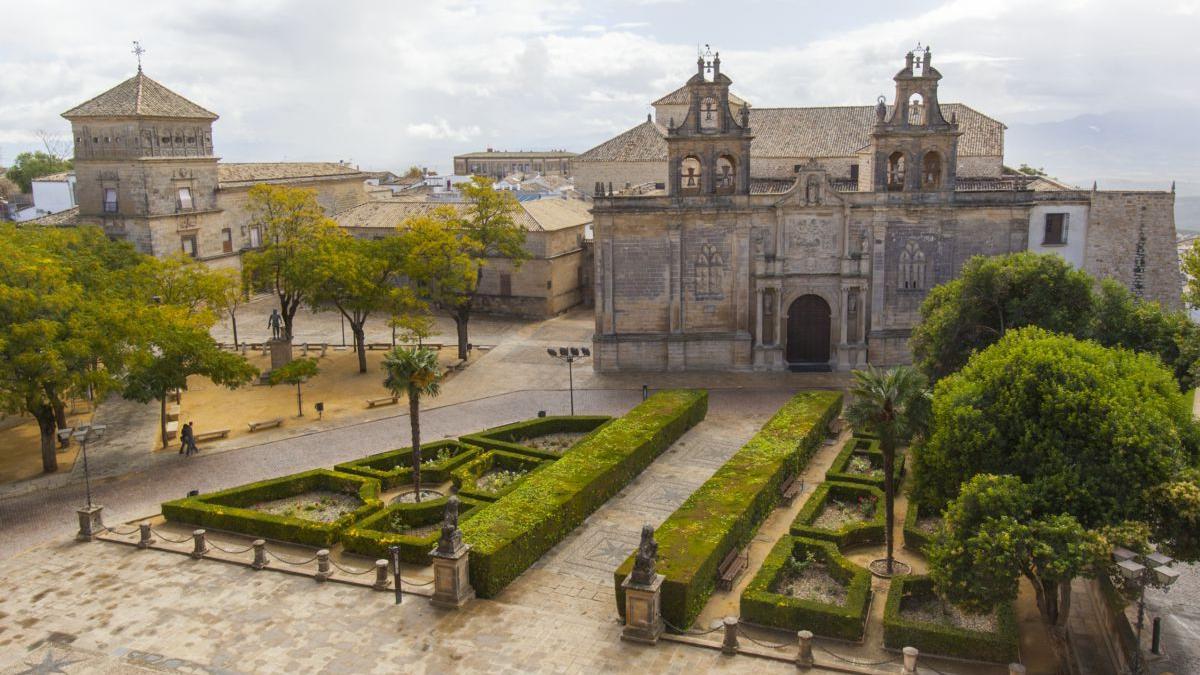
{"points": [[726, 179], [895, 172], [916, 110], [689, 174], [912, 267], [710, 115], [710, 272], [931, 171]]}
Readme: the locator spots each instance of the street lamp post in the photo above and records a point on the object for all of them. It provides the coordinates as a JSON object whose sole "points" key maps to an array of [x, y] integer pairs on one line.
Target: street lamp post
{"points": [[570, 355], [90, 521], [1144, 570]]}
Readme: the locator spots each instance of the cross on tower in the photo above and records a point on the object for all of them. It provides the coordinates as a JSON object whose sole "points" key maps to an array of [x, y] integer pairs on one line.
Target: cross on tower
{"points": [[138, 50]]}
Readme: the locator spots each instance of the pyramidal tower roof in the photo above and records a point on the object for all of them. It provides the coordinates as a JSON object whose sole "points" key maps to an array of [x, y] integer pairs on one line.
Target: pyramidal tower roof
{"points": [[139, 96]]}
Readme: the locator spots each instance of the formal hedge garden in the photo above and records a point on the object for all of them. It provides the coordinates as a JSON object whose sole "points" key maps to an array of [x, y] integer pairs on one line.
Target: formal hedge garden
{"points": [[234, 509], [493, 474], [914, 616], [916, 537], [509, 535], [771, 597], [725, 512], [861, 461], [520, 437], [846, 514], [394, 468], [414, 528]]}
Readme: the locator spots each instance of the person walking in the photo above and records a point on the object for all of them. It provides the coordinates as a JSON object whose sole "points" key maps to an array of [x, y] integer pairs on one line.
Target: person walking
{"points": [[189, 440]]}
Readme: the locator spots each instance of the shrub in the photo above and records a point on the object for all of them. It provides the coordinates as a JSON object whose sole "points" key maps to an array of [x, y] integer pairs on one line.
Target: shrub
{"points": [[466, 477], [760, 604], [508, 437], [724, 513], [862, 447], [509, 535], [850, 534], [915, 538], [374, 535], [394, 468], [230, 509], [943, 639]]}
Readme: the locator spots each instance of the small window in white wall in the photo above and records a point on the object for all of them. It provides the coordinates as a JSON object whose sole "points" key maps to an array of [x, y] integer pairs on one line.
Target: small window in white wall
{"points": [[1055, 233]]}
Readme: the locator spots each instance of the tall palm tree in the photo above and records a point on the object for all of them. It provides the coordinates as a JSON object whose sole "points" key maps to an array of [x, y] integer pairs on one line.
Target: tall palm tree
{"points": [[413, 372], [893, 405]]}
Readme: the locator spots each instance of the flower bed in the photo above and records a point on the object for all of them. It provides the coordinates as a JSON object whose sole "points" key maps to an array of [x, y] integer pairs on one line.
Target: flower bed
{"points": [[394, 468], [915, 616], [235, 509], [724, 513], [847, 514], [493, 474], [415, 528], [839, 592], [538, 437], [509, 535], [847, 466]]}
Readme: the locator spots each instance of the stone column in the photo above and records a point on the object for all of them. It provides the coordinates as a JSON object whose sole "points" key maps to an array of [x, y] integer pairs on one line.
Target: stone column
{"points": [[778, 316], [643, 610], [845, 313], [758, 332], [91, 523]]}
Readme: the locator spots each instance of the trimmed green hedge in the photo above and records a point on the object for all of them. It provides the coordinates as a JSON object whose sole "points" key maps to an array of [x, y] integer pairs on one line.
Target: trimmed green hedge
{"points": [[942, 639], [851, 534], [915, 539], [375, 534], [228, 509], [508, 437], [506, 537], [394, 468], [861, 446], [761, 605], [466, 476], [725, 512]]}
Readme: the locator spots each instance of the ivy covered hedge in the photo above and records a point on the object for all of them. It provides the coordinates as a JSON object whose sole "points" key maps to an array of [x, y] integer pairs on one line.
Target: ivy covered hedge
{"points": [[724, 513], [760, 604], [466, 477], [856, 447], [509, 535], [915, 539], [394, 468], [508, 437], [374, 535], [943, 639], [230, 509], [850, 534]]}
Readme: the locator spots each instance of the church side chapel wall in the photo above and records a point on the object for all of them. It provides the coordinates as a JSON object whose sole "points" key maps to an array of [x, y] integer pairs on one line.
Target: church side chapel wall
{"points": [[587, 174], [1131, 238]]}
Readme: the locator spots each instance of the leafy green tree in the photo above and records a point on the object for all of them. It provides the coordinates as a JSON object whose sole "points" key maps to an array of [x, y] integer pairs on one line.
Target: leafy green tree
{"points": [[993, 295], [1123, 320], [184, 282], [297, 372], [1031, 171], [294, 226], [413, 372], [8, 189], [442, 266], [30, 165], [233, 295], [414, 171], [893, 405]]}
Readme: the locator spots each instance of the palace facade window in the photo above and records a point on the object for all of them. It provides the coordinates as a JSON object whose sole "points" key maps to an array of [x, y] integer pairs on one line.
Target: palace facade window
{"points": [[188, 245], [110, 200], [710, 272], [185, 199], [1055, 232], [912, 267]]}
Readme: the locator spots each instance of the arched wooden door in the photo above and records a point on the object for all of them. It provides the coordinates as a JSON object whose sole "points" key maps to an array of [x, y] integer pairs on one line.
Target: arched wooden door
{"points": [[808, 330]]}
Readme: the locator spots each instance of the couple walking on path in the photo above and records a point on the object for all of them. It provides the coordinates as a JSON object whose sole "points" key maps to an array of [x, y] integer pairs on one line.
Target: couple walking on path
{"points": [[187, 441]]}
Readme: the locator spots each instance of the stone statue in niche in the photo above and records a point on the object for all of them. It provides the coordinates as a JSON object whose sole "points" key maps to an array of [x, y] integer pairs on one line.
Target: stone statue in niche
{"points": [[812, 191]]}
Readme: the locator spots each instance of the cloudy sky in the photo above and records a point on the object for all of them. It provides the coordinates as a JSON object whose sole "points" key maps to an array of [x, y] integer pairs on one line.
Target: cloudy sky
{"points": [[1090, 89]]}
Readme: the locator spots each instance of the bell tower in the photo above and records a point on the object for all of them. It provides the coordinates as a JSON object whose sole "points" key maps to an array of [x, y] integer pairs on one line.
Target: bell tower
{"points": [[709, 150], [915, 147]]}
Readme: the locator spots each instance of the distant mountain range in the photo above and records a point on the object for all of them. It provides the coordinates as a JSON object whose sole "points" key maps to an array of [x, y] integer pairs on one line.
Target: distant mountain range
{"points": [[1119, 150]]}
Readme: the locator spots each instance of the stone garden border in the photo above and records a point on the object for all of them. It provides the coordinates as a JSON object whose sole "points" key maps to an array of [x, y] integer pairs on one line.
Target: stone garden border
{"points": [[854, 534], [943, 640], [505, 437]]}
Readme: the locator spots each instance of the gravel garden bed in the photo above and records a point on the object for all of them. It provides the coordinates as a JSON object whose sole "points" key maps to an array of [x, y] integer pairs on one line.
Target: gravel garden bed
{"points": [[865, 465], [838, 513], [321, 506], [934, 610], [929, 524], [813, 582], [497, 479], [557, 443], [410, 497]]}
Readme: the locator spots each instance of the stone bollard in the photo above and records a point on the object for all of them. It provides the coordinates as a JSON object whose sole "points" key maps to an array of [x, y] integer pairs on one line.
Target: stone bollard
{"points": [[200, 546], [91, 522], [910, 661], [1016, 669], [260, 554], [381, 575], [324, 570], [144, 540], [804, 658], [730, 644]]}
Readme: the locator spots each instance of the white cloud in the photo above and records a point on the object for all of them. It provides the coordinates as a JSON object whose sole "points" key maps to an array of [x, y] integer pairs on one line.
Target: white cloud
{"points": [[441, 130]]}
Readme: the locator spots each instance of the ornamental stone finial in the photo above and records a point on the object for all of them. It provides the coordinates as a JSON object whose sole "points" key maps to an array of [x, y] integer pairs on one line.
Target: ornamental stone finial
{"points": [[643, 564]]}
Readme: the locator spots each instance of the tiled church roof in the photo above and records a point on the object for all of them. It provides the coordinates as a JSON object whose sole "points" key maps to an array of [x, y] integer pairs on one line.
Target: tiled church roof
{"points": [[644, 143], [235, 174], [680, 97], [139, 96], [536, 215]]}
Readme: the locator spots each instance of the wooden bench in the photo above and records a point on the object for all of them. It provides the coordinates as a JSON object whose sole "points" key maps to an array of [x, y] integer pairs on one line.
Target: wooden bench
{"points": [[386, 400], [378, 345], [322, 346], [265, 424], [212, 435], [731, 568], [791, 488], [172, 429]]}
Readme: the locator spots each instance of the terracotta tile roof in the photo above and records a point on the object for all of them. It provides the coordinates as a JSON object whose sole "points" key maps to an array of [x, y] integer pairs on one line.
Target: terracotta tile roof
{"points": [[771, 186], [680, 97], [804, 132], [238, 175], [61, 219], [537, 215], [520, 154], [139, 96]]}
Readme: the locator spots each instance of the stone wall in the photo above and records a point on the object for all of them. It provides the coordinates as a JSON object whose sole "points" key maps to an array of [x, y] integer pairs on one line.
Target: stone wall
{"points": [[617, 173], [1117, 222]]}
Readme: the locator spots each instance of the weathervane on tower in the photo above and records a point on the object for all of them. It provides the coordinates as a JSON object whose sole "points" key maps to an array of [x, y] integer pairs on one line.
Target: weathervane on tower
{"points": [[138, 50], [706, 59]]}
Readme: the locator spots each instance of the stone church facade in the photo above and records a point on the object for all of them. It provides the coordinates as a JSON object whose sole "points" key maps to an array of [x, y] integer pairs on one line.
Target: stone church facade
{"points": [[718, 266]]}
